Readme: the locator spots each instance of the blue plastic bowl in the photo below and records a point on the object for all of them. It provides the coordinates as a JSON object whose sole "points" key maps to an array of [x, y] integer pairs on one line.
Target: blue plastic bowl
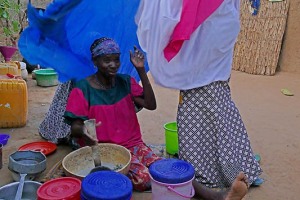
{"points": [[4, 138]]}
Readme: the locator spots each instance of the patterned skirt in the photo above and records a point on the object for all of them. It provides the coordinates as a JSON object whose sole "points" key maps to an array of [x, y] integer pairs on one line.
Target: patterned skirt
{"points": [[212, 136], [53, 128]]}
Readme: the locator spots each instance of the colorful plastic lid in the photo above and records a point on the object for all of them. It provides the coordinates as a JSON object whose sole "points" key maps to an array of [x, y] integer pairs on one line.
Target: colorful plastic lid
{"points": [[172, 171], [106, 185], [43, 146], [66, 188]]}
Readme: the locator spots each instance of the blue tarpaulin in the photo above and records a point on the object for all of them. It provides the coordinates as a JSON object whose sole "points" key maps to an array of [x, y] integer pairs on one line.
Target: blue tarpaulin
{"points": [[60, 37]]}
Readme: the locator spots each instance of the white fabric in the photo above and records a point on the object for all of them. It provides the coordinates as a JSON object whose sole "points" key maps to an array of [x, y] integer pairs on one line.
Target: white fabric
{"points": [[205, 58]]}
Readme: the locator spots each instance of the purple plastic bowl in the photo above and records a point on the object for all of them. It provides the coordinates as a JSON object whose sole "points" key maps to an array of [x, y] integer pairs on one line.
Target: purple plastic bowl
{"points": [[4, 138]]}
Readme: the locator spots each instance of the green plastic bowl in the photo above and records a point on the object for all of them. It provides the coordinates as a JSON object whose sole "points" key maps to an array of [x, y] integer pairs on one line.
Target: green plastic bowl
{"points": [[46, 77], [171, 137]]}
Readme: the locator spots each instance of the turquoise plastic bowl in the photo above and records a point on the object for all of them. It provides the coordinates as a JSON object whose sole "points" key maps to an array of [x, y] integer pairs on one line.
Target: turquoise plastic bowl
{"points": [[46, 77]]}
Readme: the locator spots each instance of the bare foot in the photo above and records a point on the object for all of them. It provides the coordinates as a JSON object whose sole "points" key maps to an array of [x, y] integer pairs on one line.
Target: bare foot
{"points": [[238, 188]]}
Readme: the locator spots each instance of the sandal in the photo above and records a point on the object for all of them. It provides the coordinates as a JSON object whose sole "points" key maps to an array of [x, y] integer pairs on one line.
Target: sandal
{"points": [[257, 157], [257, 182]]}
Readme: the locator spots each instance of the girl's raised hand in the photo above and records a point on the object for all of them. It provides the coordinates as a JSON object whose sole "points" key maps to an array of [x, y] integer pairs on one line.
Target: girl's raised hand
{"points": [[137, 58]]}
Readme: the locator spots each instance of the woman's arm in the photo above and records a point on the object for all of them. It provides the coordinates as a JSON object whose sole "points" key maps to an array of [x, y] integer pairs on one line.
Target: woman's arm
{"points": [[77, 128], [148, 101]]}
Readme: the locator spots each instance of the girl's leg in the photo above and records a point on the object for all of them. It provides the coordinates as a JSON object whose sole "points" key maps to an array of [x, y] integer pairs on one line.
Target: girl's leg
{"points": [[139, 175], [141, 158]]}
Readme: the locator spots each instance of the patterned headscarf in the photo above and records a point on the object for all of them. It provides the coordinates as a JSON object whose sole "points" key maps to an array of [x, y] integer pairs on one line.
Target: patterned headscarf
{"points": [[104, 46]]}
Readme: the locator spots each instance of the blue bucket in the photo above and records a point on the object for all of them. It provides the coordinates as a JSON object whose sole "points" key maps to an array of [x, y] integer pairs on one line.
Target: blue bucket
{"points": [[172, 179], [106, 185]]}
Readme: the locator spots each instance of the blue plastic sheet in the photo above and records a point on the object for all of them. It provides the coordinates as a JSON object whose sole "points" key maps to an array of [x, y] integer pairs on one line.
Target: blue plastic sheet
{"points": [[60, 37]]}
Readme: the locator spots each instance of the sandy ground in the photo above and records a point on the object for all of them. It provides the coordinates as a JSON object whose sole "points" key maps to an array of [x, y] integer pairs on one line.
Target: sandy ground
{"points": [[271, 118]]}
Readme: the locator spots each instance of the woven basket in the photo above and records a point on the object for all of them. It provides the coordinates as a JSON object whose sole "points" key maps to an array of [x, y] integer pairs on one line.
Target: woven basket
{"points": [[259, 43]]}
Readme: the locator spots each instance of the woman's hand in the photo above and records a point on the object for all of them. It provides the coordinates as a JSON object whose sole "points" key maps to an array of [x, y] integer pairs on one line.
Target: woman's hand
{"points": [[137, 58], [89, 140], [78, 130], [88, 137]]}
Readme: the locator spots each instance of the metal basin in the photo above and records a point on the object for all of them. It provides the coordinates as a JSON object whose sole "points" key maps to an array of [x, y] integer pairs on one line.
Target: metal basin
{"points": [[31, 163], [8, 192]]}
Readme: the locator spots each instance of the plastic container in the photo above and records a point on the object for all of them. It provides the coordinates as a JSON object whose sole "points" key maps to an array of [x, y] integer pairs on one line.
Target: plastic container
{"points": [[4, 138], [171, 137], [106, 185], [10, 68], [46, 77], [172, 180], [18, 64], [13, 103], [66, 188], [24, 72]]}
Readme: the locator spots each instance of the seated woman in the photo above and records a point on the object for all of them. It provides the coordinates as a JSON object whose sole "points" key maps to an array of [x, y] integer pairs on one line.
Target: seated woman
{"points": [[109, 98]]}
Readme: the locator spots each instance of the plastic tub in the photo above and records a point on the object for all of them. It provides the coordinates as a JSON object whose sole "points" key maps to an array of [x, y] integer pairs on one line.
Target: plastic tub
{"points": [[4, 138], [66, 188], [46, 77], [172, 180], [171, 137], [108, 185]]}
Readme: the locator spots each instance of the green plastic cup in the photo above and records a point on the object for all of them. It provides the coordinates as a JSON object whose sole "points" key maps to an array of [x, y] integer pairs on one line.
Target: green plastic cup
{"points": [[171, 137]]}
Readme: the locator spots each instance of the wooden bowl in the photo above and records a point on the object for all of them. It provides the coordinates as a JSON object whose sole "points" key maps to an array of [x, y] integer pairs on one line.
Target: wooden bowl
{"points": [[80, 162]]}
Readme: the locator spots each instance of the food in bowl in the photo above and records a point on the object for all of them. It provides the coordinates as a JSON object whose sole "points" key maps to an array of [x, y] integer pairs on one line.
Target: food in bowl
{"points": [[80, 162]]}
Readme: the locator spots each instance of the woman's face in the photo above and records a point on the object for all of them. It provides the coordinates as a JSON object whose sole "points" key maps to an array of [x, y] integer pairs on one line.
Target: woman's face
{"points": [[108, 65]]}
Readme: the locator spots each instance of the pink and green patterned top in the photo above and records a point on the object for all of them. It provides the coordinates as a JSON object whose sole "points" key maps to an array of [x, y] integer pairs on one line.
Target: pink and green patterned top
{"points": [[113, 107]]}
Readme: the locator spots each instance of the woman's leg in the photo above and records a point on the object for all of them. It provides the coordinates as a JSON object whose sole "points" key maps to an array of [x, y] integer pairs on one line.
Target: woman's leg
{"points": [[142, 158], [139, 175], [53, 128], [212, 136], [237, 190]]}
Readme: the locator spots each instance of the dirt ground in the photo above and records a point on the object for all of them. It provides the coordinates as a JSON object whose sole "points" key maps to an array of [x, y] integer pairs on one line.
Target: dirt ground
{"points": [[271, 118]]}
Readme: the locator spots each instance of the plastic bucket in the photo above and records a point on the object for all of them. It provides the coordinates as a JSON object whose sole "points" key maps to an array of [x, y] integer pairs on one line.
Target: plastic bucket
{"points": [[171, 137], [66, 188], [106, 185], [172, 180]]}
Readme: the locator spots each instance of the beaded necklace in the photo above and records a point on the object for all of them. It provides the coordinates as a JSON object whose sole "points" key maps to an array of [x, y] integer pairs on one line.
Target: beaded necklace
{"points": [[102, 86]]}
